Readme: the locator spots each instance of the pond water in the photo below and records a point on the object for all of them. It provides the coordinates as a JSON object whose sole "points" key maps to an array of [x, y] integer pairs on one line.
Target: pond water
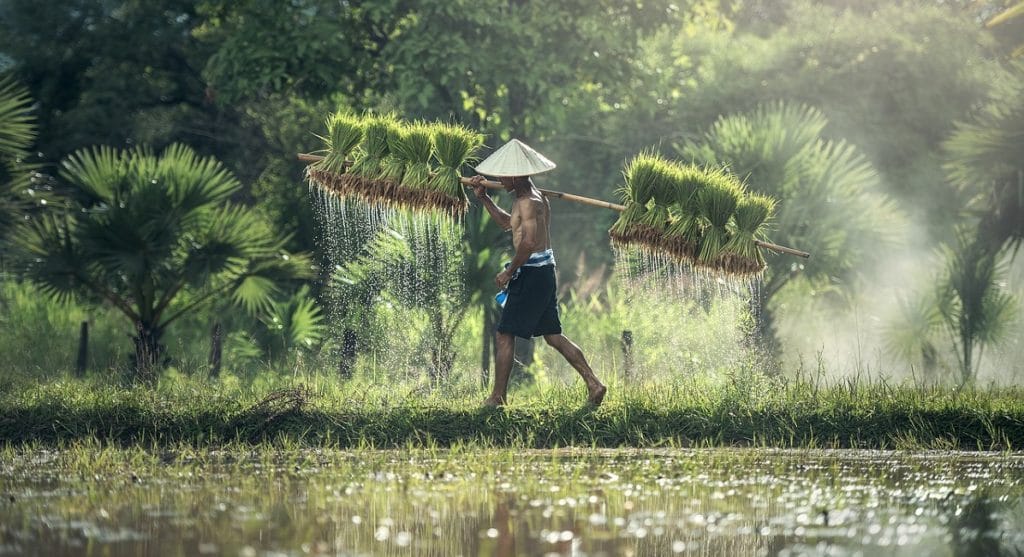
{"points": [[502, 502]]}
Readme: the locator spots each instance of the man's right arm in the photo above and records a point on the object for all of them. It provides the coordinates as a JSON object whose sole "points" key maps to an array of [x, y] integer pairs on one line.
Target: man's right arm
{"points": [[499, 215]]}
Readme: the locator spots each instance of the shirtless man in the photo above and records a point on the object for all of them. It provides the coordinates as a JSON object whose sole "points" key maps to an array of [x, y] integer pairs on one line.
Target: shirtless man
{"points": [[531, 308]]}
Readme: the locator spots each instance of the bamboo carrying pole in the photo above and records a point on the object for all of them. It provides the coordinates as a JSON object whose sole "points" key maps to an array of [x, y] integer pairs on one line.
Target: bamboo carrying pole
{"points": [[585, 201]]}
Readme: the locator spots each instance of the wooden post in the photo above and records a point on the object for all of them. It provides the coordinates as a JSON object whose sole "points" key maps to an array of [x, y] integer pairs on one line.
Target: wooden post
{"points": [[216, 349], [348, 353], [83, 350], [627, 354]]}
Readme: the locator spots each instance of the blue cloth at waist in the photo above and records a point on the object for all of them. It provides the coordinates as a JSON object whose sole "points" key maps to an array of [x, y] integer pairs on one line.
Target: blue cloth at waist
{"points": [[541, 258], [537, 259]]}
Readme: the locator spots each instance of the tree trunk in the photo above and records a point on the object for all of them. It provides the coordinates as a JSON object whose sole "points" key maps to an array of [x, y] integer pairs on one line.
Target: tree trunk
{"points": [[148, 351], [967, 372], [216, 350], [627, 354], [83, 350], [349, 343]]}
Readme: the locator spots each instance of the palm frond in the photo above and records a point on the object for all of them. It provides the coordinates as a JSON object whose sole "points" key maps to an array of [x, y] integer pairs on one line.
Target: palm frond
{"points": [[101, 173], [17, 125]]}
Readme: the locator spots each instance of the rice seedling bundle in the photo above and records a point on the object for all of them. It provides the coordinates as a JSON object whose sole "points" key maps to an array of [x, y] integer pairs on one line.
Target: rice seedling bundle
{"points": [[344, 134], [375, 146], [716, 203], [454, 147], [663, 188], [415, 148], [684, 231], [620, 231], [642, 175], [752, 213], [392, 169]]}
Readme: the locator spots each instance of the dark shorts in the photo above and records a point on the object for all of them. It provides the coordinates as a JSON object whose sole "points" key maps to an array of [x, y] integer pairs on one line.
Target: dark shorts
{"points": [[531, 309]]}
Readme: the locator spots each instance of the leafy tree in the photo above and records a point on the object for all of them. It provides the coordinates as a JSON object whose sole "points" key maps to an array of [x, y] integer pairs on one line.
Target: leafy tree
{"points": [[985, 161], [125, 72], [911, 334], [967, 309], [829, 197], [976, 311], [156, 238]]}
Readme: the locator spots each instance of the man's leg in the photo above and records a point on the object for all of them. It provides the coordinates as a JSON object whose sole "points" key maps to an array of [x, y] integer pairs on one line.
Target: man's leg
{"points": [[504, 345], [577, 360]]}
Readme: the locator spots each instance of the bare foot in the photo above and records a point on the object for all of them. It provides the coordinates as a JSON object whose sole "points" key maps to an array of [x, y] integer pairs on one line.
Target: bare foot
{"points": [[494, 402], [596, 394]]}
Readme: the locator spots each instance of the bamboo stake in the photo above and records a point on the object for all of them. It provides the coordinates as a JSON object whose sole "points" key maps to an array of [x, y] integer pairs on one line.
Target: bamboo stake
{"points": [[305, 157]]}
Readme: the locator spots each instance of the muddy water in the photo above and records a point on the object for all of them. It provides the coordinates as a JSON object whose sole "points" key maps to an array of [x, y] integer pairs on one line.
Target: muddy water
{"points": [[475, 502]]}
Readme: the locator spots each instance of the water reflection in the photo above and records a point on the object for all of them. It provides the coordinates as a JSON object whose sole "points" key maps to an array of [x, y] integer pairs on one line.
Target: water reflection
{"points": [[505, 503]]}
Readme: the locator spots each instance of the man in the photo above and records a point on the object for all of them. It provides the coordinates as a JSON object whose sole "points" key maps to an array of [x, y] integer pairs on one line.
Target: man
{"points": [[531, 307]]}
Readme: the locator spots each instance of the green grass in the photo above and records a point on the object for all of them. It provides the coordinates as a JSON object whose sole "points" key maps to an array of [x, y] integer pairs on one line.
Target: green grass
{"points": [[749, 410]]}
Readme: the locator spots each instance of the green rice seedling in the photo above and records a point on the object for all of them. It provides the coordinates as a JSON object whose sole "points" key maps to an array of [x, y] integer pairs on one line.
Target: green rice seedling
{"points": [[416, 148], [344, 134], [641, 174], [684, 231], [663, 186], [753, 211], [717, 202], [454, 146], [393, 166], [407, 171], [375, 146]]}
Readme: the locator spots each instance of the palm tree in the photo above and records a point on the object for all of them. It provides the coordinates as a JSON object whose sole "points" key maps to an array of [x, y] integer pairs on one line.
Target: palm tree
{"points": [[17, 133], [986, 162], [157, 238], [829, 197], [976, 311]]}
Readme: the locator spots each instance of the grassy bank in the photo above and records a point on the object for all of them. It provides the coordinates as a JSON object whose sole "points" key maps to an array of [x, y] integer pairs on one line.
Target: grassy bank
{"points": [[748, 411]]}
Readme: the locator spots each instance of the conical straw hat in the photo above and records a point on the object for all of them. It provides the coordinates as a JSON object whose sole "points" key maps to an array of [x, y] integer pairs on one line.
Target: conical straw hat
{"points": [[515, 158]]}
